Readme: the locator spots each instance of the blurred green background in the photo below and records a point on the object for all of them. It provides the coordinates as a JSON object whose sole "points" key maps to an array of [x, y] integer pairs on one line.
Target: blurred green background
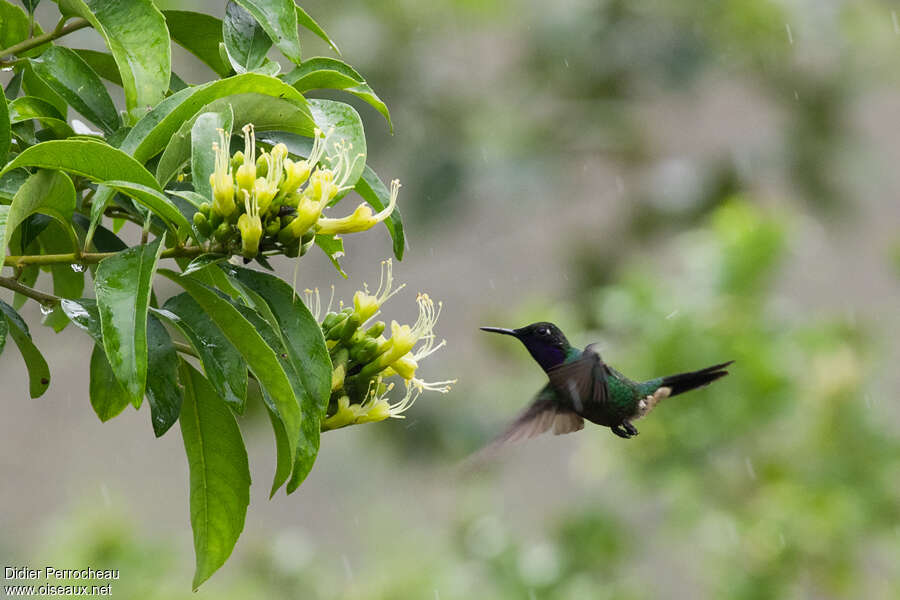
{"points": [[683, 182]]}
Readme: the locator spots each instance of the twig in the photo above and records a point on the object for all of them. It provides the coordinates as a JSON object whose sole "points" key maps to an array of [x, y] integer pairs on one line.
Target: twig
{"points": [[34, 42]]}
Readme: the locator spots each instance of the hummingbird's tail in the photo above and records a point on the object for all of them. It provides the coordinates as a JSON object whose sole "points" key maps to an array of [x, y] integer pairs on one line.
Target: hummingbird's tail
{"points": [[684, 382]]}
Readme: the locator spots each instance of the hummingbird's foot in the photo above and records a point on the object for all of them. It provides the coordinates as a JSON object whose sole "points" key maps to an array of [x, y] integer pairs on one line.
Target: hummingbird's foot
{"points": [[624, 430]]}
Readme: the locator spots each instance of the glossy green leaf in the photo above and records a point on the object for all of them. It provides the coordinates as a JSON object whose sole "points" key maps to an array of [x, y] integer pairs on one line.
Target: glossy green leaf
{"points": [[153, 132], [223, 364], [308, 443], [265, 112], [46, 192], [306, 21], [246, 43], [279, 19], [95, 160], [35, 86], [261, 359], [307, 351], [67, 282], [38, 371], [203, 261], [27, 108], [331, 73], [372, 190], [149, 197], [333, 247], [219, 471], [163, 392], [344, 125], [5, 134], [205, 133], [122, 285], [102, 63], [11, 182], [136, 34], [284, 462], [84, 314], [199, 34], [77, 83], [107, 396]]}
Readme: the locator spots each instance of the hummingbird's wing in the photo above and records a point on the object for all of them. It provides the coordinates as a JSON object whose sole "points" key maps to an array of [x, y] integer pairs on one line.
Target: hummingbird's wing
{"points": [[581, 381], [543, 413]]}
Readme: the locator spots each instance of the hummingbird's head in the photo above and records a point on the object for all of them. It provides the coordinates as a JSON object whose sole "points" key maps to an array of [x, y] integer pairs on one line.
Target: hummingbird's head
{"points": [[546, 343]]}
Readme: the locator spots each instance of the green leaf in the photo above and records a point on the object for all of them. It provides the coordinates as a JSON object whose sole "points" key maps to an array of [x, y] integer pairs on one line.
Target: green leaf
{"points": [[200, 35], [31, 107], [246, 43], [92, 159], [279, 19], [261, 359], [30, 5], [107, 396], [35, 86], [156, 201], [38, 371], [67, 282], [345, 127], [372, 190], [308, 444], [265, 112], [85, 314], [77, 83], [152, 133], [5, 134], [330, 73], [304, 20], [284, 461], [306, 348], [122, 285], [203, 261], [223, 364], [333, 247], [220, 474], [136, 34], [46, 192], [163, 392], [102, 63], [204, 134]]}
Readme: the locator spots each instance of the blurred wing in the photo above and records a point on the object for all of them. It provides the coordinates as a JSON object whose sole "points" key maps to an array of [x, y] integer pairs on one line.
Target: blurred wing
{"points": [[539, 417], [542, 414], [582, 380]]}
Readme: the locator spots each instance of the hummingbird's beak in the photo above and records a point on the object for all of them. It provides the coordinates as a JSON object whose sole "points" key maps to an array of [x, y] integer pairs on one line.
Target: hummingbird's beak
{"points": [[511, 332]]}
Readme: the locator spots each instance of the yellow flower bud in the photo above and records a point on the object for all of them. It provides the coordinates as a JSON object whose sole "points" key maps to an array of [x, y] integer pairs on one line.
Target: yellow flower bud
{"points": [[251, 231], [378, 411], [246, 173], [221, 180]]}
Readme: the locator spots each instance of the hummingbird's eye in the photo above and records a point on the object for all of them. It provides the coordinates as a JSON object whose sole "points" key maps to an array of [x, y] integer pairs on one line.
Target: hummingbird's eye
{"points": [[544, 331]]}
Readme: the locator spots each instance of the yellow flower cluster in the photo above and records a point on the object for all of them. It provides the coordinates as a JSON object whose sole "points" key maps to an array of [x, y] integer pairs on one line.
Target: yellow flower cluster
{"points": [[363, 358], [272, 203]]}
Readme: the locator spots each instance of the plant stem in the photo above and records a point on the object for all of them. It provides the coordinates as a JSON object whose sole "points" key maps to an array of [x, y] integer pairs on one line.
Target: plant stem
{"points": [[45, 299], [91, 257], [34, 42]]}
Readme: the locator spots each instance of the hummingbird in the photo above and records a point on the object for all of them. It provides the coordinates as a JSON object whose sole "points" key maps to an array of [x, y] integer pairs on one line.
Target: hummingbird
{"points": [[581, 386]]}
